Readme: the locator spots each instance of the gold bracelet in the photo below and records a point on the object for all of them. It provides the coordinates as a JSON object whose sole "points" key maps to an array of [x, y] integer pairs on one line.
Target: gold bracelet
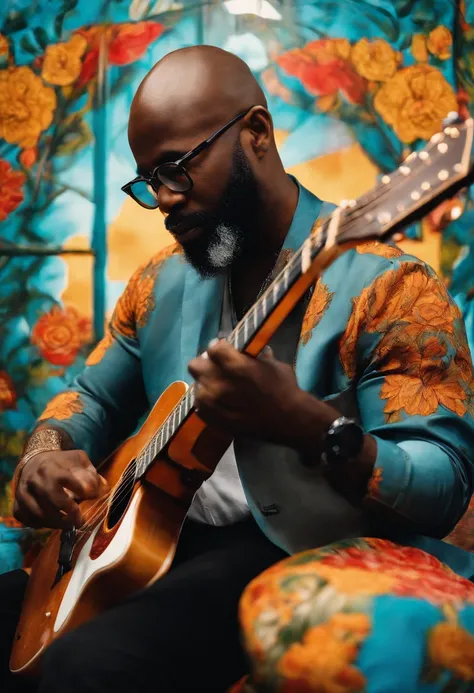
{"points": [[44, 440]]}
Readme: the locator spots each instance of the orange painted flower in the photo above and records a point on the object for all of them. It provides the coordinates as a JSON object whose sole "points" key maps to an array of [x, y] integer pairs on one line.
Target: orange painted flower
{"points": [[373, 488], [324, 659], [63, 406], [381, 249], [324, 69], [354, 580], [62, 61], [4, 45], [375, 60], [101, 349], [11, 192], [415, 101], [28, 157], [409, 294], [318, 305], [440, 42], [421, 396], [26, 106], [414, 572], [419, 48], [451, 647], [138, 301], [8, 395], [60, 334], [124, 43]]}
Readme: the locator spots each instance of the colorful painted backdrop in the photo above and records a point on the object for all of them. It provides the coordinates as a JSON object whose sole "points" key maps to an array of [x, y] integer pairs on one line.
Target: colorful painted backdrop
{"points": [[353, 85]]}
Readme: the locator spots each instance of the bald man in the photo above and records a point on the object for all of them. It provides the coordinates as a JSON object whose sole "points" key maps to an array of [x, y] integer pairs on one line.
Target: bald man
{"points": [[203, 141]]}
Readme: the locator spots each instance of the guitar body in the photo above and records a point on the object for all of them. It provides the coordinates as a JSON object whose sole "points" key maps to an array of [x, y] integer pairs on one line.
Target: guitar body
{"points": [[130, 543]]}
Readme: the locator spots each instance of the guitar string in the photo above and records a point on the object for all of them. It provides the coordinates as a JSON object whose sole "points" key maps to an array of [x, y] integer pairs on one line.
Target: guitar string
{"points": [[350, 219]]}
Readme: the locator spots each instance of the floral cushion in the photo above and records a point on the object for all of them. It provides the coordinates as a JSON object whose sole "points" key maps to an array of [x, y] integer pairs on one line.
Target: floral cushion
{"points": [[365, 615]]}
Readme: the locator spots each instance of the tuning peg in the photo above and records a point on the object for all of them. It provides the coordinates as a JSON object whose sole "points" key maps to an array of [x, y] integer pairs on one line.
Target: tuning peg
{"points": [[453, 118]]}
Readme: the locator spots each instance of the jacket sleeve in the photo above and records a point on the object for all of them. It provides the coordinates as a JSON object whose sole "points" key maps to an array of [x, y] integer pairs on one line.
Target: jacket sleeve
{"points": [[104, 403], [405, 348]]}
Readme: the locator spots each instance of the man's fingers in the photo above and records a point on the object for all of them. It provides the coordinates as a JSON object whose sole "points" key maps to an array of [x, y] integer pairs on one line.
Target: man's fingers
{"points": [[226, 357], [267, 353], [55, 503], [83, 484], [27, 511]]}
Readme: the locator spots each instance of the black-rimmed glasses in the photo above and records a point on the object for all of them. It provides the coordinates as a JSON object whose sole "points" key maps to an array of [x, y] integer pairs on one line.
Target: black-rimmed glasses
{"points": [[172, 174]]}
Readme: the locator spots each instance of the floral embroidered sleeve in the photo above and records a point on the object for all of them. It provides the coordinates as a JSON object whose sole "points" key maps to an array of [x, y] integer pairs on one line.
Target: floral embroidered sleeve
{"points": [[405, 347], [107, 399]]}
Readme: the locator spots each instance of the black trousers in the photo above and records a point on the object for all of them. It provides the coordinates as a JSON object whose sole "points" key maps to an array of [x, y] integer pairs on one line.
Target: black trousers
{"points": [[180, 635]]}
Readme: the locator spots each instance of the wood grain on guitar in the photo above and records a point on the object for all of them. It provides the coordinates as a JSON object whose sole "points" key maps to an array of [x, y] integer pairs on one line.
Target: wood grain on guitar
{"points": [[130, 537]]}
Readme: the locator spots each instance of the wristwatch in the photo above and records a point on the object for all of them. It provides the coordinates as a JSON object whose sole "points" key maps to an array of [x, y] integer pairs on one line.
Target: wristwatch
{"points": [[344, 440]]}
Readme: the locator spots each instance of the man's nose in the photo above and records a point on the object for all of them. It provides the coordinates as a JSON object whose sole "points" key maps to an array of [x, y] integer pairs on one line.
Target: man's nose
{"points": [[168, 199]]}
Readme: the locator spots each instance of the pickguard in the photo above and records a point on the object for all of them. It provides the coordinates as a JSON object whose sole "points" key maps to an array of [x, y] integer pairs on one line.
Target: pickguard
{"points": [[87, 566]]}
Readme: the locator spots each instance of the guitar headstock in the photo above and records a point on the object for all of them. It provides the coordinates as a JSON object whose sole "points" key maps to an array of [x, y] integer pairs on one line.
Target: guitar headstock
{"points": [[424, 179]]}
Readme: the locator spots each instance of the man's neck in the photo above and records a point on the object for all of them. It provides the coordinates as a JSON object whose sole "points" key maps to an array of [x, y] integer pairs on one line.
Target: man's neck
{"points": [[249, 272]]}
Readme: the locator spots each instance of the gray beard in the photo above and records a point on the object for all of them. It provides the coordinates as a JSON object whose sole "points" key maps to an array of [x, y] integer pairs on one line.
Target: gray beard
{"points": [[224, 248]]}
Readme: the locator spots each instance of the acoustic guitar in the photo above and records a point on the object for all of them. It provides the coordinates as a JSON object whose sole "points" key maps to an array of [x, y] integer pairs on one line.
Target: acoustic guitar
{"points": [[130, 536]]}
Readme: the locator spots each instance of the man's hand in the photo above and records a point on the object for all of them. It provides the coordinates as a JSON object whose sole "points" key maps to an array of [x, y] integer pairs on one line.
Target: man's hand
{"points": [[50, 487], [258, 398]]}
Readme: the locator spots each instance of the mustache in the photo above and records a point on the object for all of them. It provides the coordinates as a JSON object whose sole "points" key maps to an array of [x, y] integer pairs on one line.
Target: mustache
{"points": [[178, 223]]}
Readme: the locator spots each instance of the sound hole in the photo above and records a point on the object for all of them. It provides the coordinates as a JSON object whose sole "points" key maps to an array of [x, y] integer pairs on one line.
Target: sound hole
{"points": [[122, 495]]}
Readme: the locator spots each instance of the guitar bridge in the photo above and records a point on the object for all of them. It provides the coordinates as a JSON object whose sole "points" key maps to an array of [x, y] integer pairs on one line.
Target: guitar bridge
{"points": [[66, 550]]}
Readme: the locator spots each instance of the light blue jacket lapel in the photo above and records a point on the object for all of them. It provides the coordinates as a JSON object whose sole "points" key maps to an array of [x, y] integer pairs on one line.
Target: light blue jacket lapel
{"points": [[202, 299]]}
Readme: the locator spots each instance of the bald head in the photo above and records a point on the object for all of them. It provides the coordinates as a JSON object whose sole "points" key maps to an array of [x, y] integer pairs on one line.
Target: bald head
{"points": [[212, 198], [206, 82]]}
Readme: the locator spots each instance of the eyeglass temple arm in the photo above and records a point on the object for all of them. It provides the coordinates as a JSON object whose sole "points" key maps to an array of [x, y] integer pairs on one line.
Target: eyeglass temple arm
{"points": [[210, 140]]}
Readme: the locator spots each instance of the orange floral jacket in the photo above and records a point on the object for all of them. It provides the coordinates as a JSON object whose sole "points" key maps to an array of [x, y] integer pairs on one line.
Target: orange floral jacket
{"points": [[380, 330]]}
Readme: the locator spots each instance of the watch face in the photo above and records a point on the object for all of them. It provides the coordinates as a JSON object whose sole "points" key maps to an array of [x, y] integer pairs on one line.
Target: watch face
{"points": [[344, 440]]}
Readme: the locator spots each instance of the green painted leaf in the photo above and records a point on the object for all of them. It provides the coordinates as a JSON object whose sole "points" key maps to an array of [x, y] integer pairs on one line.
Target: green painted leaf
{"points": [[14, 22], [76, 137], [41, 37], [28, 46], [69, 5]]}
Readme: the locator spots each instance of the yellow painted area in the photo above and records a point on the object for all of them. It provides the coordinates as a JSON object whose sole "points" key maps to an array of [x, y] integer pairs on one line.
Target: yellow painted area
{"points": [[137, 233]]}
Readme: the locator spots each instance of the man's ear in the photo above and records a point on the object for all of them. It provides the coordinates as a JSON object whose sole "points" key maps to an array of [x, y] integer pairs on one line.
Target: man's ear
{"points": [[260, 127]]}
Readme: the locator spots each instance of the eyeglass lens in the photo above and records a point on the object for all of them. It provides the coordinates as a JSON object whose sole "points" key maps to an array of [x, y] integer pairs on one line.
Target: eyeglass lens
{"points": [[172, 175]]}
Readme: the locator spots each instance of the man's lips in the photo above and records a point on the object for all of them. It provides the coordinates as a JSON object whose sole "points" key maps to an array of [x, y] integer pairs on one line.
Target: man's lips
{"points": [[187, 230], [188, 234]]}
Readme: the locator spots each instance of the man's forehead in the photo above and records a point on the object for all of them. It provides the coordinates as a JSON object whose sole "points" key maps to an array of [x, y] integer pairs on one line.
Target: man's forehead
{"points": [[157, 134]]}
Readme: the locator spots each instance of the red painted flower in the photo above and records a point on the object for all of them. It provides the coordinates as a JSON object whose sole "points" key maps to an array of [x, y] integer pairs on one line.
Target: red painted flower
{"points": [[417, 573], [324, 69], [60, 334], [132, 40], [11, 193], [8, 395], [126, 43]]}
